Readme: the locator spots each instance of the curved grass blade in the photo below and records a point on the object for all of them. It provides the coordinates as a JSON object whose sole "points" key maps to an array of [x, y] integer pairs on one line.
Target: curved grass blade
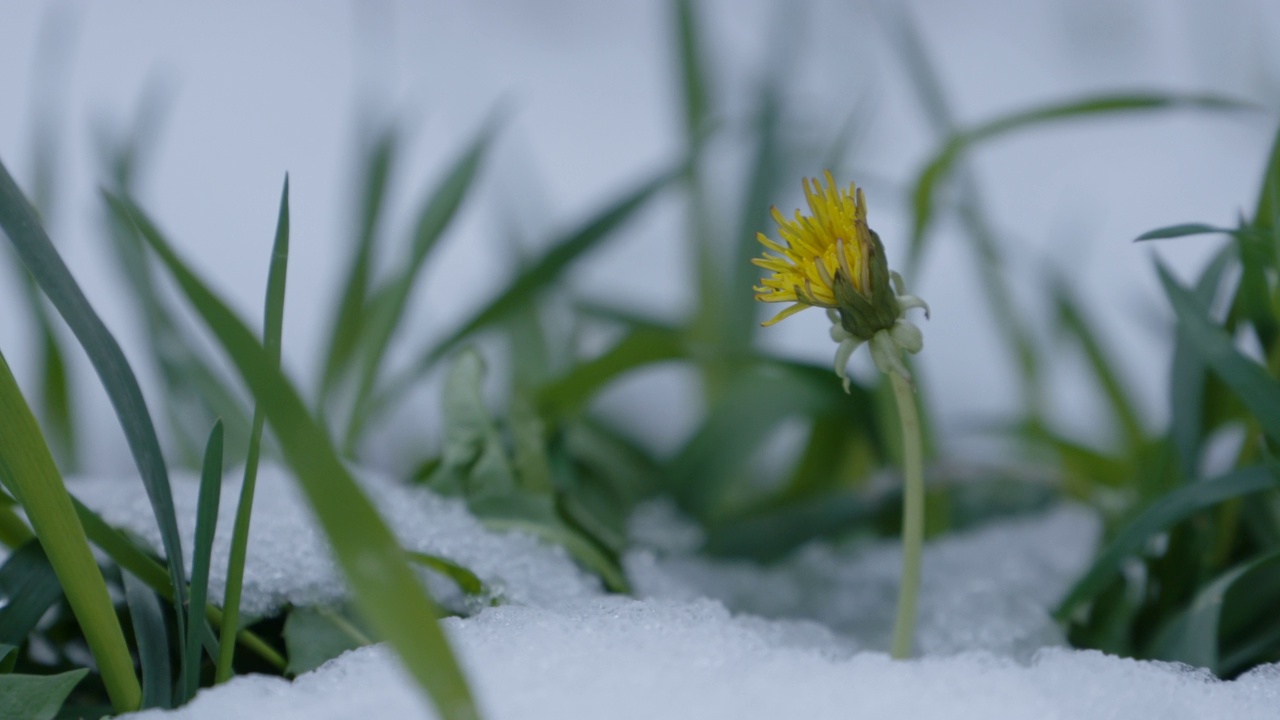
{"points": [[387, 309], [466, 580], [153, 642], [42, 260], [1183, 230], [28, 471], [641, 346], [206, 526], [1259, 392], [385, 588], [272, 330], [1161, 514], [535, 278], [29, 588], [961, 142]]}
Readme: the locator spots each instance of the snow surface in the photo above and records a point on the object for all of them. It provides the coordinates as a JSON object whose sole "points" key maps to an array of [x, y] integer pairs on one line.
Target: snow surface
{"points": [[706, 638]]}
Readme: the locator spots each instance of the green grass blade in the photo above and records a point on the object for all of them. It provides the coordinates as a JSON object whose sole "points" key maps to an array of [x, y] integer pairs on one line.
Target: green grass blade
{"points": [[1251, 383], [466, 580], [693, 76], [438, 210], [1160, 515], [641, 346], [273, 329], [1266, 215], [1188, 376], [152, 637], [316, 635], [349, 320], [1194, 638], [386, 590], [43, 262], [14, 532], [536, 278], [206, 526], [37, 697], [28, 471], [128, 556], [1183, 230], [30, 587], [963, 141]]}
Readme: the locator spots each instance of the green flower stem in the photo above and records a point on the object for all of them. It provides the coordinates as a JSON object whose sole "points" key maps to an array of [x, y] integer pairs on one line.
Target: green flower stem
{"points": [[912, 516], [30, 474]]}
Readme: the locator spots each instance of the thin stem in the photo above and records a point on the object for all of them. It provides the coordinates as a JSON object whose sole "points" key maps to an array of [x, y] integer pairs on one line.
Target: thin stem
{"points": [[912, 516], [238, 555]]}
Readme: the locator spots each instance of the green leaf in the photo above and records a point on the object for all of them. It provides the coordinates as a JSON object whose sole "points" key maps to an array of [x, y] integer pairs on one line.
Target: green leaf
{"points": [[352, 312], [29, 587], [386, 589], [1183, 230], [316, 635], [272, 331], [1247, 379], [437, 211], [153, 642], [37, 697], [466, 580], [570, 393], [27, 469], [206, 525], [45, 264], [536, 278], [8, 657], [1160, 515], [692, 72], [1267, 212], [1193, 637], [474, 462], [962, 142]]}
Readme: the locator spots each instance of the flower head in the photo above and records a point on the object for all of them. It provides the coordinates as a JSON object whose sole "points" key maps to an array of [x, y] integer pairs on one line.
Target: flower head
{"points": [[832, 259]]}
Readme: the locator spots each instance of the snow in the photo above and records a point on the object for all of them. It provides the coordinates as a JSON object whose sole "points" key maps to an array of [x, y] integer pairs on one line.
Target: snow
{"points": [[621, 659], [289, 562], [704, 638]]}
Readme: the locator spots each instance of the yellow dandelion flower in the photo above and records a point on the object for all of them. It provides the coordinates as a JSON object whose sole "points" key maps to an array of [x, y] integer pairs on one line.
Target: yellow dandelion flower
{"points": [[832, 259]]}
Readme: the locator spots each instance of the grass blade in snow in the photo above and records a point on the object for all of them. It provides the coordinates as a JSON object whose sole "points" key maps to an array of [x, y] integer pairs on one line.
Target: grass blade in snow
{"points": [[153, 643], [272, 329], [18, 220], [206, 525], [28, 471], [386, 589], [37, 697], [29, 588]]}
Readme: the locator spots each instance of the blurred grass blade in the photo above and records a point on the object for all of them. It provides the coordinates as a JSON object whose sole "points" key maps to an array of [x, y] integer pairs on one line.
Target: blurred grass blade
{"points": [[37, 697], [352, 309], [1267, 214], [316, 635], [961, 142], [28, 471], [206, 526], [1160, 515], [467, 581], [1194, 638], [1249, 381], [153, 642], [29, 587], [641, 346], [385, 313], [1183, 230], [692, 72], [42, 260], [535, 278], [385, 588], [272, 331]]}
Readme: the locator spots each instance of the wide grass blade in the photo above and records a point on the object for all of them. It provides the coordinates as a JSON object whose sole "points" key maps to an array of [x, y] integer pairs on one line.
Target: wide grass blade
{"points": [[43, 262], [206, 526], [641, 346], [28, 471], [272, 330], [29, 587], [152, 637], [1160, 515], [37, 697], [387, 308], [535, 278], [1251, 383], [386, 590]]}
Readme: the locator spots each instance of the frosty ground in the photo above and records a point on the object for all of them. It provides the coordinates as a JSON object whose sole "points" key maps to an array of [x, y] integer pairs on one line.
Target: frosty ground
{"points": [[702, 638]]}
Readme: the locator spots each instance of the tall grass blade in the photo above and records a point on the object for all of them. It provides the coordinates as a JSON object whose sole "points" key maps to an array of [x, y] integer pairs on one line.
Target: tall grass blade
{"points": [[28, 471], [206, 526], [42, 260], [152, 637], [1160, 515], [29, 587], [353, 304], [386, 590], [273, 329], [537, 277], [385, 313]]}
